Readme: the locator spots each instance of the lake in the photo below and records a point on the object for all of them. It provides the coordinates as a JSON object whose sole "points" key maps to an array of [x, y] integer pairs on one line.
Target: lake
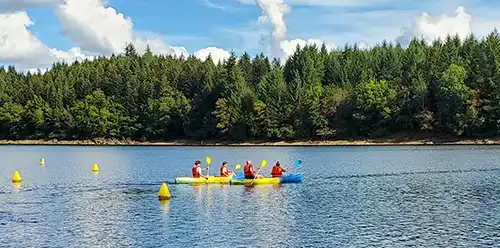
{"points": [[432, 196]]}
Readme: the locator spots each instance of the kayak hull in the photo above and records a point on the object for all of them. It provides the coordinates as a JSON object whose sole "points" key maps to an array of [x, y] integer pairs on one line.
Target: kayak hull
{"points": [[202, 180], [291, 178], [240, 180], [257, 181]]}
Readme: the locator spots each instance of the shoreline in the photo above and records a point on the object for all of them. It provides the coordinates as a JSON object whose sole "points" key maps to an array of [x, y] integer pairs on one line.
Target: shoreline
{"points": [[338, 142]]}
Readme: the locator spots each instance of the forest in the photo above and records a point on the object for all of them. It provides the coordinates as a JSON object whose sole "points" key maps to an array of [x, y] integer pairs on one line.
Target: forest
{"points": [[449, 87]]}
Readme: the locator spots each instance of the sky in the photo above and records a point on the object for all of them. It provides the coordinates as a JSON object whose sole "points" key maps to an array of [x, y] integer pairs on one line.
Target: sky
{"points": [[37, 33]]}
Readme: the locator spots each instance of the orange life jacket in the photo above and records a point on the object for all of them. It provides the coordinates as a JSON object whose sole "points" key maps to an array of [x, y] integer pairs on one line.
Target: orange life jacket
{"points": [[247, 172], [224, 172], [277, 171], [195, 172]]}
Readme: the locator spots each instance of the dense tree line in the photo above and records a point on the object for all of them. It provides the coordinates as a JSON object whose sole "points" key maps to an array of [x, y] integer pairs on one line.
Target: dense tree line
{"points": [[449, 87]]}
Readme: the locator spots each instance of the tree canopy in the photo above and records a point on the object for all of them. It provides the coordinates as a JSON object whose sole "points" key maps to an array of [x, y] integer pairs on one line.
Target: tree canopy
{"points": [[447, 87]]}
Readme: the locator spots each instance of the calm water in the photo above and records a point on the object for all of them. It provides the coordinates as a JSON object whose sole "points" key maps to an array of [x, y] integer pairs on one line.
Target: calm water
{"points": [[350, 196]]}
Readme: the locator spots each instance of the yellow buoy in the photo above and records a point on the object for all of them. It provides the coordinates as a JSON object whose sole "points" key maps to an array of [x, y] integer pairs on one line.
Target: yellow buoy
{"points": [[96, 168], [17, 177], [164, 193], [42, 161]]}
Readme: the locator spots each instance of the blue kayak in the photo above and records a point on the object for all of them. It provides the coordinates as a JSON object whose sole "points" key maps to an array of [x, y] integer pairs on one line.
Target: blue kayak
{"points": [[291, 178]]}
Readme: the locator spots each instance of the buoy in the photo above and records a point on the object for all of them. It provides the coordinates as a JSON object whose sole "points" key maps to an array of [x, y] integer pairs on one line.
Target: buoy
{"points": [[42, 161], [164, 193], [96, 168], [17, 177]]}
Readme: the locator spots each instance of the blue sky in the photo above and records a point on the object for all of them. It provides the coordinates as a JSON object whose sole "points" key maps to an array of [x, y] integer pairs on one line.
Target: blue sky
{"points": [[189, 23], [39, 32]]}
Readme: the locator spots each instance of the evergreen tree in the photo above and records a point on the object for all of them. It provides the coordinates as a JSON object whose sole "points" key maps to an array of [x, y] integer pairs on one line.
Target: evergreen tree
{"points": [[446, 87]]}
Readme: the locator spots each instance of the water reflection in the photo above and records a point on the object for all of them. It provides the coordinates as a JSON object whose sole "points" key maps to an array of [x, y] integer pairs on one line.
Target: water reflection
{"points": [[209, 197], [225, 188], [248, 188], [225, 192], [164, 204], [16, 187], [274, 204], [197, 188]]}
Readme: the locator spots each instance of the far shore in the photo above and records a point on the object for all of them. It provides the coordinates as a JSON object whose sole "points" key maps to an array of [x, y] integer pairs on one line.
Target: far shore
{"points": [[338, 142]]}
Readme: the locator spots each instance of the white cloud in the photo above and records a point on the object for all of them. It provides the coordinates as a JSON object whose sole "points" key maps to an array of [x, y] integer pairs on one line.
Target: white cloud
{"points": [[75, 53], [274, 12], [211, 4], [396, 21], [363, 45], [96, 27], [289, 46], [16, 5], [16, 41], [332, 3], [19, 46], [157, 46], [217, 54], [430, 29]]}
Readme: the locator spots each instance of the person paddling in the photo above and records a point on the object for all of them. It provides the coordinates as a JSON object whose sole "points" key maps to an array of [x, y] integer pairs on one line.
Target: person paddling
{"points": [[249, 171], [224, 171], [277, 170], [197, 169]]}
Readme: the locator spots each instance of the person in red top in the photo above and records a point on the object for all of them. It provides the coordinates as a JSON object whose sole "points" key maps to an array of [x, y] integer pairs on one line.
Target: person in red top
{"points": [[249, 171], [197, 169], [224, 171], [277, 170]]}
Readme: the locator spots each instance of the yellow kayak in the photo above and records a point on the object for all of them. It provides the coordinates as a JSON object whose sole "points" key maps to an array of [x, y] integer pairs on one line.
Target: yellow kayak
{"points": [[270, 180], [202, 180]]}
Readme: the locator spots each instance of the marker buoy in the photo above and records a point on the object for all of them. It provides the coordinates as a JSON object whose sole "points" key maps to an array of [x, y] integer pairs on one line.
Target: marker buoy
{"points": [[17, 177], [96, 168], [164, 193]]}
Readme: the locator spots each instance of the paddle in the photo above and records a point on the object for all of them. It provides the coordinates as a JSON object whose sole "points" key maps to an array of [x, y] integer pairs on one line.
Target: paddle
{"points": [[262, 165], [209, 161], [237, 167], [297, 163]]}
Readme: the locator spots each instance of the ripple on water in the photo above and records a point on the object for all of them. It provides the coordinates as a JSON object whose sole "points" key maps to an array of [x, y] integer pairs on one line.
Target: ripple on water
{"points": [[370, 197]]}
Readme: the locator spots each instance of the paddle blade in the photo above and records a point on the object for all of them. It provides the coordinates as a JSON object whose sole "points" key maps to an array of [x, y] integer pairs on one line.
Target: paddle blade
{"points": [[297, 163], [263, 164], [209, 160], [238, 166]]}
